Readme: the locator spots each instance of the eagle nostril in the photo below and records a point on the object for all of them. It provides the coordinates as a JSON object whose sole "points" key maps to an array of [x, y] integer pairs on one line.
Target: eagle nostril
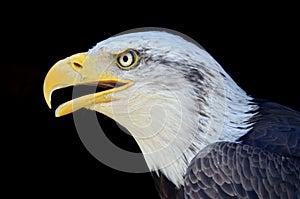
{"points": [[77, 66], [77, 61]]}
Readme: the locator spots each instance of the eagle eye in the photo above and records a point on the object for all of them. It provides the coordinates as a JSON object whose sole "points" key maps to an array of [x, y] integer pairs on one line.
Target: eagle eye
{"points": [[127, 60]]}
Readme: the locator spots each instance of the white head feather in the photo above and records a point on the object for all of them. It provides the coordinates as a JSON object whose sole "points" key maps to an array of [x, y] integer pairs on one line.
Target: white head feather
{"points": [[181, 101]]}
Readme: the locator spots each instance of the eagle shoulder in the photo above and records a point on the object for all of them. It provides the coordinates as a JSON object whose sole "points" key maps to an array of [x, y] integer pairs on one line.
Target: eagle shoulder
{"points": [[234, 170]]}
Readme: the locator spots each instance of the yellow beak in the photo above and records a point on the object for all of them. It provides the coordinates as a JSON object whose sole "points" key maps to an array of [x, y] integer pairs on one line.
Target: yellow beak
{"points": [[69, 72]]}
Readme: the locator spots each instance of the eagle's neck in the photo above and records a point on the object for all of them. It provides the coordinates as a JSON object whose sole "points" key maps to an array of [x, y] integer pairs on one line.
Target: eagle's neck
{"points": [[176, 117], [184, 121]]}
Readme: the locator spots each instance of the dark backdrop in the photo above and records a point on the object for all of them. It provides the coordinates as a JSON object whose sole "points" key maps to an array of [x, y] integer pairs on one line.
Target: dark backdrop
{"points": [[43, 155]]}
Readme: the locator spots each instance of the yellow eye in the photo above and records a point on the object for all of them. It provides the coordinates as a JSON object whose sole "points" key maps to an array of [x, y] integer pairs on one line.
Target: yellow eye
{"points": [[127, 59]]}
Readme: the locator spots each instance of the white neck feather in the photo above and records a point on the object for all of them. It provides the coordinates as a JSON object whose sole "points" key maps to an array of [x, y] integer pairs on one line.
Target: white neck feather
{"points": [[178, 132], [170, 131], [170, 122]]}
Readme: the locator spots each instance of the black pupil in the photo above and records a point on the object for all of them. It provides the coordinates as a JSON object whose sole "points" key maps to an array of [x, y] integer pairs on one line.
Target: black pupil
{"points": [[125, 58]]}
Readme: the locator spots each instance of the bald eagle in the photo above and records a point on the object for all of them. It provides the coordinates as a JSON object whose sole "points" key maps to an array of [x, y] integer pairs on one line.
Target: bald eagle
{"points": [[206, 138]]}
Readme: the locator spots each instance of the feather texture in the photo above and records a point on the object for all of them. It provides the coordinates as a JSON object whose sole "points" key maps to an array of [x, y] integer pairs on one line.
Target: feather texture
{"points": [[232, 170]]}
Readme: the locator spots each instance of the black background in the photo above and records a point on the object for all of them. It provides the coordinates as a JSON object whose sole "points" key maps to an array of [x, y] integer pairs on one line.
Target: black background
{"points": [[256, 44]]}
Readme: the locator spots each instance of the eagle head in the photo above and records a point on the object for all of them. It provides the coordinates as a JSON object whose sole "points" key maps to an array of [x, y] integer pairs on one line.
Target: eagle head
{"points": [[168, 92]]}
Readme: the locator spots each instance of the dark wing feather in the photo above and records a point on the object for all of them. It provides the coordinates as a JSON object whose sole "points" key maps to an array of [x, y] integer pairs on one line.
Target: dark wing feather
{"points": [[231, 170], [276, 129], [265, 163]]}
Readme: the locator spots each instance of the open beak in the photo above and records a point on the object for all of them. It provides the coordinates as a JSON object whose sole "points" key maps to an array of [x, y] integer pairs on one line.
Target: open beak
{"points": [[69, 72]]}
